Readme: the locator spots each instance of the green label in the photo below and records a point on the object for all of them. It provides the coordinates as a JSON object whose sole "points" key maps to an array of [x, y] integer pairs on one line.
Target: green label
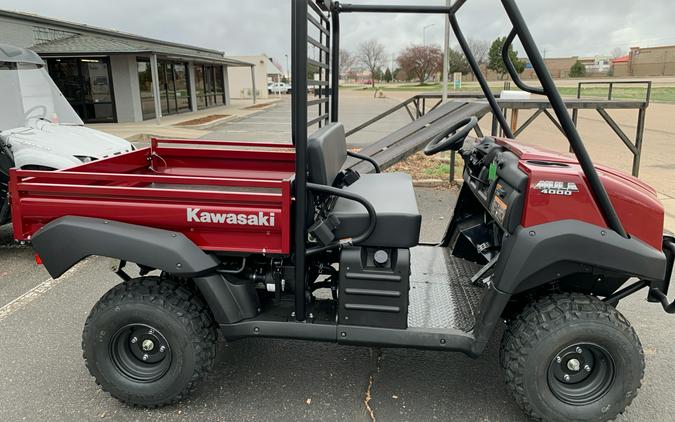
{"points": [[492, 173]]}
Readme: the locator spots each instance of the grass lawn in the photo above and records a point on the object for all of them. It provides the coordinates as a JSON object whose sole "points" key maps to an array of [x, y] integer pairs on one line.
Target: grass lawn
{"points": [[659, 93]]}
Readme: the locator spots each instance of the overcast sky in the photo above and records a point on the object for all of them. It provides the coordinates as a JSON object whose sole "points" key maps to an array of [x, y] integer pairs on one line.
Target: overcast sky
{"points": [[246, 27]]}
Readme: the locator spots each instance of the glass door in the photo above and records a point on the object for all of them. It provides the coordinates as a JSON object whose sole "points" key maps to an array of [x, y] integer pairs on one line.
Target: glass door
{"points": [[87, 85], [182, 88]]}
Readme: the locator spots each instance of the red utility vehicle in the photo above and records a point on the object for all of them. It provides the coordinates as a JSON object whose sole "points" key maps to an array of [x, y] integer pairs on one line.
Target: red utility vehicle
{"points": [[284, 241]]}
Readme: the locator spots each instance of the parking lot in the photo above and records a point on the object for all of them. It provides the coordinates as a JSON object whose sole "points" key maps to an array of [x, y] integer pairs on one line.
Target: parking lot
{"points": [[42, 375]]}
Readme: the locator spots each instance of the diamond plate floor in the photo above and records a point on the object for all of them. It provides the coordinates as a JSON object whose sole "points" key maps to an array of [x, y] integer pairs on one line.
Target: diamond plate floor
{"points": [[441, 293]]}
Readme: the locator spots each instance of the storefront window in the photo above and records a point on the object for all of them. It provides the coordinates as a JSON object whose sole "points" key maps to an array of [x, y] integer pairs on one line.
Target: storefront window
{"points": [[145, 86], [87, 85]]}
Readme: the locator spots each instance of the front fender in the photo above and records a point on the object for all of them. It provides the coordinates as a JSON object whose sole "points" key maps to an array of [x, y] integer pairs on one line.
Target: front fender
{"points": [[27, 156], [66, 241], [537, 255]]}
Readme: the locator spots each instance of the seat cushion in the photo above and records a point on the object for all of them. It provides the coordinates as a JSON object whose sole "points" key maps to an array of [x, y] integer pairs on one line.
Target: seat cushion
{"points": [[393, 197]]}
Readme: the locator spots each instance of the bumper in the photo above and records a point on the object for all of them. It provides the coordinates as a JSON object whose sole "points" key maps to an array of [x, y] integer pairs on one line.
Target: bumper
{"points": [[658, 291]]}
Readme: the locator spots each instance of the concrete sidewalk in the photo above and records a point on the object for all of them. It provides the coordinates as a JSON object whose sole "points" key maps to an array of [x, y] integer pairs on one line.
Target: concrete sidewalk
{"points": [[174, 126]]}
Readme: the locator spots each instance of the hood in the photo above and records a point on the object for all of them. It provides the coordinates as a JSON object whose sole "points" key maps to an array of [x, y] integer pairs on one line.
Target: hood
{"points": [[526, 152], [66, 140]]}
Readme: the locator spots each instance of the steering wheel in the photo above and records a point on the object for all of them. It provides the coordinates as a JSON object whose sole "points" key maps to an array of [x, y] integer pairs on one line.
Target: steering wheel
{"points": [[452, 138]]}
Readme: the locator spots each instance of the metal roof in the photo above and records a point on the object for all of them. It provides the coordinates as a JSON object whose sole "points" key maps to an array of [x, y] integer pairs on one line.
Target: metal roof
{"points": [[90, 40], [96, 45]]}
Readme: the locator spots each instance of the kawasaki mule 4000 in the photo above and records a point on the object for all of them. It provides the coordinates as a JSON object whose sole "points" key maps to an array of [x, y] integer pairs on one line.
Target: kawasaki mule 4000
{"points": [[282, 240]]}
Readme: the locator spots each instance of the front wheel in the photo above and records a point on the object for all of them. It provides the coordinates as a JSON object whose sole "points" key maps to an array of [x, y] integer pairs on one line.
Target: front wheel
{"points": [[149, 341], [571, 357]]}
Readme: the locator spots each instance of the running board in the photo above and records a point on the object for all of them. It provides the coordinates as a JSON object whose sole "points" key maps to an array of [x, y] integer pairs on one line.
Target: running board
{"points": [[448, 339]]}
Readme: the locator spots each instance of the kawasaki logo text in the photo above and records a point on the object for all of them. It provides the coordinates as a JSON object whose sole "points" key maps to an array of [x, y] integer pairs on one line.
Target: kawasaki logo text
{"points": [[196, 215]]}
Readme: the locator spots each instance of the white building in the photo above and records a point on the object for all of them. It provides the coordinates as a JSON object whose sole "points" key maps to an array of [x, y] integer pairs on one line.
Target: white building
{"points": [[265, 72], [111, 76]]}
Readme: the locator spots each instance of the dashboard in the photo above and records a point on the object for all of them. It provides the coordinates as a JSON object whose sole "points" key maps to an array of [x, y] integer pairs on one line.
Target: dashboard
{"points": [[493, 175]]}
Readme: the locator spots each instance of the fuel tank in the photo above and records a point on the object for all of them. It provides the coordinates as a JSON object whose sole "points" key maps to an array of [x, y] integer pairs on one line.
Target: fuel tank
{"points": [[557, 190]]}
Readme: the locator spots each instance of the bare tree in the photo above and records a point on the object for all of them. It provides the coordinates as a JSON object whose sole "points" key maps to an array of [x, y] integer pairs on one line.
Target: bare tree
{"points": [[617, 52], [421, 61], [371, 55], [480, 49], [347, 62]]}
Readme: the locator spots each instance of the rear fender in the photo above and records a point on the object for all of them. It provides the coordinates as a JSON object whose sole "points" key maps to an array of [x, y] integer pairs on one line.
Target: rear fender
{"points": [[537, 255], [66, 241]]}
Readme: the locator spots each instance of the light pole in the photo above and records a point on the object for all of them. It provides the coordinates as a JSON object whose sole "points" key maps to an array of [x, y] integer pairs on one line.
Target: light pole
{"points": [[446, 46], [288, 75], [424, 33]]}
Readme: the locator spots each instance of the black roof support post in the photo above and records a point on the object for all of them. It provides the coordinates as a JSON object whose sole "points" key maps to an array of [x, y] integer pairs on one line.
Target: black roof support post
{"points": [[335, 66], [597, 188], [299, 134]]}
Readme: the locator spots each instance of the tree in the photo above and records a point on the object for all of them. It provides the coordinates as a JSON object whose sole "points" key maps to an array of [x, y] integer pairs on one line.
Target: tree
{"points": [[457, 62], [480, 49], [347, 62], [388, 77], [371, 56], [577, 70], [421, 61], [495, 61], [378, 75]]}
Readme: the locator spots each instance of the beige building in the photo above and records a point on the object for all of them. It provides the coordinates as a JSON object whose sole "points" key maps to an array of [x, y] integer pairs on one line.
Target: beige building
{"points": [[653, 61], [265, 71]]}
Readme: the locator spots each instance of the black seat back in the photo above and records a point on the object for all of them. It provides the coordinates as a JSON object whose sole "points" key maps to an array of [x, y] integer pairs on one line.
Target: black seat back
{"points": [[326, 153]]}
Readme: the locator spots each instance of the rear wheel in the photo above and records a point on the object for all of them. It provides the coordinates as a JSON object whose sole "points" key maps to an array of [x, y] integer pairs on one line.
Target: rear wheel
{"points": [[149, 341], [572, 357]]}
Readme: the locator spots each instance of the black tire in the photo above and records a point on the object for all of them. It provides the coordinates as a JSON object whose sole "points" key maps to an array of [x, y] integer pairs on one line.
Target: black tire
{"points": [[595, 344], [180, 328]]}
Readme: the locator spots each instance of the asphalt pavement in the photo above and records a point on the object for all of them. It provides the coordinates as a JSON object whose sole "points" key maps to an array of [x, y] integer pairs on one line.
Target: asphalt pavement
{"points": [[42, 374]]}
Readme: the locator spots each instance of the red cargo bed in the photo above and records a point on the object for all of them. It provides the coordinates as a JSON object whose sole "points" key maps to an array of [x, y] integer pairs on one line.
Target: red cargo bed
{"points": [[223, 199]]}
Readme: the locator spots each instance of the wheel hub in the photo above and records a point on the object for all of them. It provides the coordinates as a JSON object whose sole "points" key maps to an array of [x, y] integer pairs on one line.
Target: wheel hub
{"points": [[581, 374], [140, 352]]}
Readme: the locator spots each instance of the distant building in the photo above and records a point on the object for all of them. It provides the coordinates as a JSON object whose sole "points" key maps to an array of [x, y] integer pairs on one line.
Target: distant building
{"points": [[112, 76], [265, 72], [643, 62], [559, 67], [596, 65]]}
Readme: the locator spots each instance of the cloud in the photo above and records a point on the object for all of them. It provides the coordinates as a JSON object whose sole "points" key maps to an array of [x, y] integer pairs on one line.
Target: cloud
{"points": [[561, 28]]}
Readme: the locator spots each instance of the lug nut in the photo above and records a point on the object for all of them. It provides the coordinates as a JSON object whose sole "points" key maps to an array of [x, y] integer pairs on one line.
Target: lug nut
{"points": [[558, 359], [134, 340], [587, 368], [579, 350], [566, 377], [162, 349], [145, 357]]}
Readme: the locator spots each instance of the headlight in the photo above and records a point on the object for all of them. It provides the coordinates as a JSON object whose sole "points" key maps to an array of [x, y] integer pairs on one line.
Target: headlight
{"points": [[85, 159]]}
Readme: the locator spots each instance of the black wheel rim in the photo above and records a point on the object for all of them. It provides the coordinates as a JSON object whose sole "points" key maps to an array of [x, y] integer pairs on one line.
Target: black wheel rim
{"points": [[140, 352], [581, 374]]}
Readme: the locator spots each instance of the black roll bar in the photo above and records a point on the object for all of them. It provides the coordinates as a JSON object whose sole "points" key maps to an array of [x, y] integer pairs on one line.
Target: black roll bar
{"points": [[299, 120], [512, 69], [299, 135], [598, 189]]}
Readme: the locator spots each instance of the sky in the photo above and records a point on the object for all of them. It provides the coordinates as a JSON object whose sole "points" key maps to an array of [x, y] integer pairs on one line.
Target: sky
{"points": [[562, 28]]}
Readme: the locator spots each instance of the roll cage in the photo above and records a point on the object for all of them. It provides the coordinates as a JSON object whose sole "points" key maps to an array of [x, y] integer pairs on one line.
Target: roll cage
{"points": [[323, 17]]}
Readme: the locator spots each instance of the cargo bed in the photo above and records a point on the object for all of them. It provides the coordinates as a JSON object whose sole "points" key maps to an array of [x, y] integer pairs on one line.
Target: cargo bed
{"points": [[221, 196]]}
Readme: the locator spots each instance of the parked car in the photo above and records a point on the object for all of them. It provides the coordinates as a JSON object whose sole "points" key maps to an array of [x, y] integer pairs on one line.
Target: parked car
{"points": [[279, 88], [38, 125]]}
